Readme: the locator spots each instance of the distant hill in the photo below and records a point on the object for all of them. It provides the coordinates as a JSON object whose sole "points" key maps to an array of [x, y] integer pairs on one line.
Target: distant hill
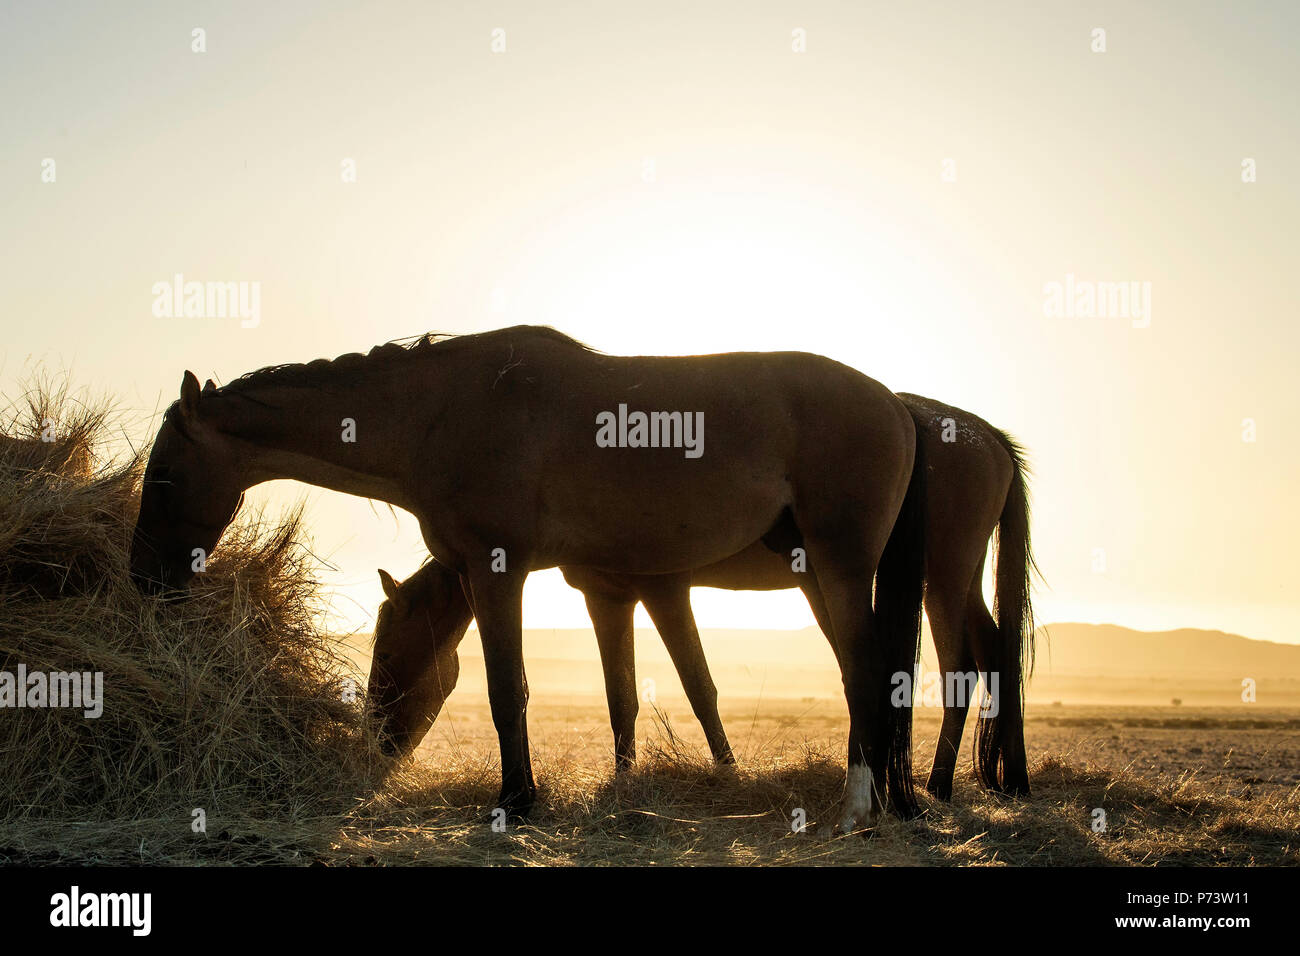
{"points": [[1077, 663], [1110, 650], [1064, 650]]}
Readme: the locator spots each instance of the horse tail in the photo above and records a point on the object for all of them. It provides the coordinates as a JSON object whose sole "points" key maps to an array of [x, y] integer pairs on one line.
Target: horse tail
{"points": [[900, 590], [1000, 760]]}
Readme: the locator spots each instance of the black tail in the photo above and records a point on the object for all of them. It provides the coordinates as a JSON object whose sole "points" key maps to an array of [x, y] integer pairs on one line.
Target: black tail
{"points": [[1000, 761], [900, 590]]}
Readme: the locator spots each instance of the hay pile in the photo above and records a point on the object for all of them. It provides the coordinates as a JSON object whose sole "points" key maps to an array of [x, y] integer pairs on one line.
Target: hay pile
{"points": [[233, 701]]}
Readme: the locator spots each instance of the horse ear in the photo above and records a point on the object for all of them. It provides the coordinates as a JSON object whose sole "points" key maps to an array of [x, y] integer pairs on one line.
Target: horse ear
{"points": [[390, 586], [209, 386], [190, 395]]}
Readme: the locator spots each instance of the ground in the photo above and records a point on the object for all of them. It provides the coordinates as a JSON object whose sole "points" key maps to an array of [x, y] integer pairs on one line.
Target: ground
{"points": [[1177, 786], [1203, 788]]}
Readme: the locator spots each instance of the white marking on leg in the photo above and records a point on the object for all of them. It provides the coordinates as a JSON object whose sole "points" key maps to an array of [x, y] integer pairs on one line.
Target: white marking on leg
{"points": [[859, 792]]}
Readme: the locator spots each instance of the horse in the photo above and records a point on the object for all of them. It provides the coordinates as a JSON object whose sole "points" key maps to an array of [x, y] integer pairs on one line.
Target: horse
{"points": [[506, 447], [976, 486]]}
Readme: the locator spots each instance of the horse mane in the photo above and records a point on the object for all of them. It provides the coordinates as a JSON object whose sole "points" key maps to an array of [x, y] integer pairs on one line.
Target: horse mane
{"points": [[321, 372]]}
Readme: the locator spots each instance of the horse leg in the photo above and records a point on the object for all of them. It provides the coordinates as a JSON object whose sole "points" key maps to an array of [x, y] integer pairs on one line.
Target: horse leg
{"points": [[956, 660], [612, 619], [876, 635], [818, 605], [1000, 745], [668, 601], [844, 574], [983, 643], [498, 606]]}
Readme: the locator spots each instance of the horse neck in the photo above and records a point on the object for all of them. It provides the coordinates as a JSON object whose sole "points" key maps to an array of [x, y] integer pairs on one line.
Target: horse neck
{"points": [[350, 439]]}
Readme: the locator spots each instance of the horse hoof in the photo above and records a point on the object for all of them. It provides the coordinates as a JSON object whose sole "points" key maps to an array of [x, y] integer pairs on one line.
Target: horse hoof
{"points": [[861, 808], [851, 823], [513, 808], [623, 770], [939, 792]]}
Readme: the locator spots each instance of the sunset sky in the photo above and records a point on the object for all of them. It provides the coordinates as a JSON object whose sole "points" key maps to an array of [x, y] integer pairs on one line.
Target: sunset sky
{"points": [[896, 186]]}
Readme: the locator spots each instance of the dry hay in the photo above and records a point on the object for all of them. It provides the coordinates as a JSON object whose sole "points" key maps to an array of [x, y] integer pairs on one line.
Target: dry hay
{"points": [[232, 701]]}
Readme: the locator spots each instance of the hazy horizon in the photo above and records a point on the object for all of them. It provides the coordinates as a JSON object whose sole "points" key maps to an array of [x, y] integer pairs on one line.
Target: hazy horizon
{"points": [[1082, 664], [905, 189]]}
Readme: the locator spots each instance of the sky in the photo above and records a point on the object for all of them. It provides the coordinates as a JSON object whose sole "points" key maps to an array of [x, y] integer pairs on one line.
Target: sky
{"points": [[908, 188]]}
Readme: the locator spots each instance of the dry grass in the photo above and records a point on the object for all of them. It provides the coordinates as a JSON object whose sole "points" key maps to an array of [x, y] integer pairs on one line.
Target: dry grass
{"points": [[675, 811], [233, 701]]}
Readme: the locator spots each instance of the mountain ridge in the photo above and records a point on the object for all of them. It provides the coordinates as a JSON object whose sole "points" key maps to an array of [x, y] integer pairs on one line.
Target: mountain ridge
{"points": [[1065, 648]]}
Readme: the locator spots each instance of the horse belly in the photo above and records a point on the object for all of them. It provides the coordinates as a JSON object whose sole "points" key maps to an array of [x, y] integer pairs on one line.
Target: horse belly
{"points": [[638, 523], [756, 568]]}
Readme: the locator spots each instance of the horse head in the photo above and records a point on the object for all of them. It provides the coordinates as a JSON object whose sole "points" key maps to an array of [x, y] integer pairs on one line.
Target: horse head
{"points": [[415, 664], [191, 492]]}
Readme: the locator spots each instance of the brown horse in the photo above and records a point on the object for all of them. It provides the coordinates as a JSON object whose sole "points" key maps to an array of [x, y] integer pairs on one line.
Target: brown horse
{"points": [[516, 450], [976, 483]]}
